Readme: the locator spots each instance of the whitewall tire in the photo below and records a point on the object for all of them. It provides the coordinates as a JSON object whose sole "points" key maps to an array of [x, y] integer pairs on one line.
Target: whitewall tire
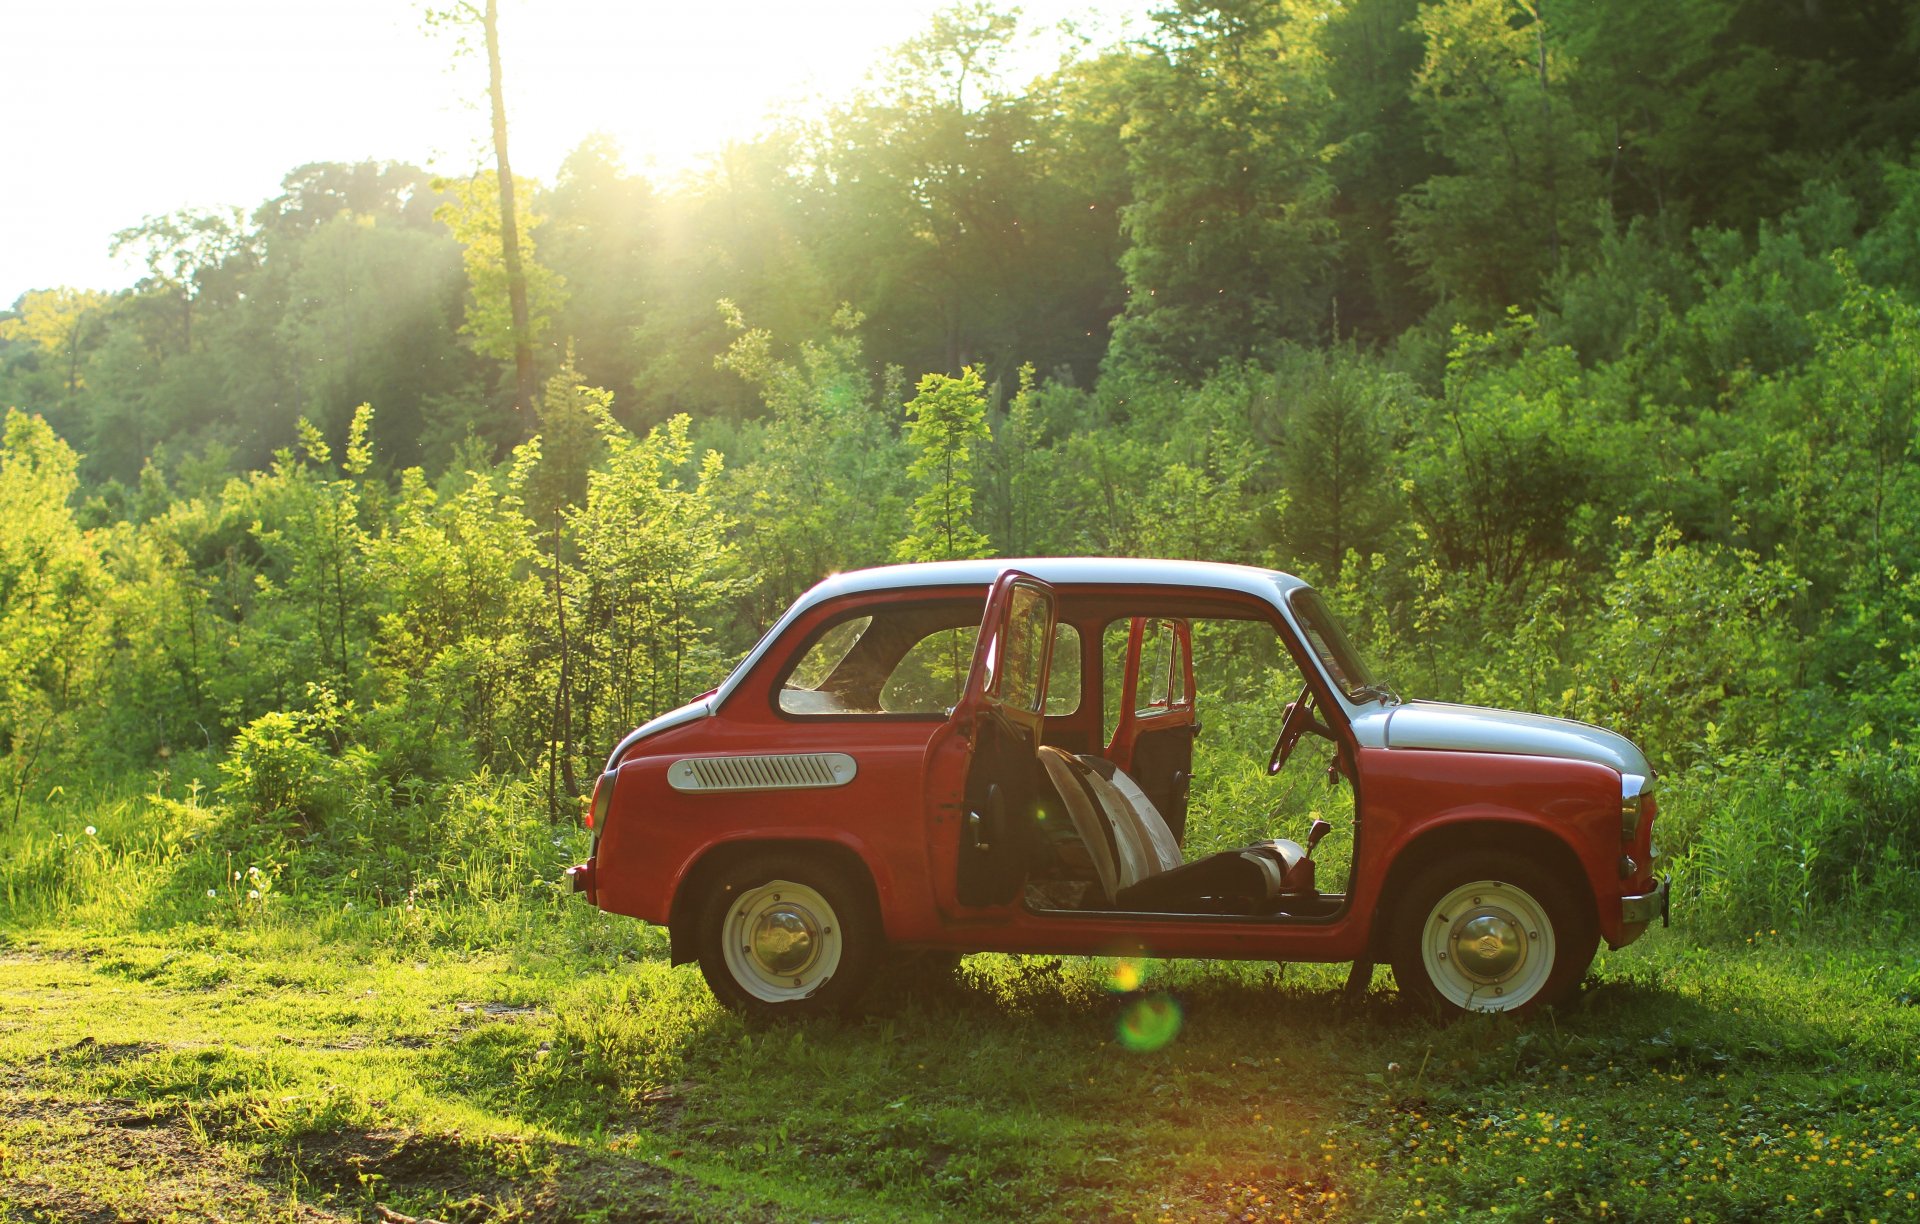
{"points": [[1492, 932]]}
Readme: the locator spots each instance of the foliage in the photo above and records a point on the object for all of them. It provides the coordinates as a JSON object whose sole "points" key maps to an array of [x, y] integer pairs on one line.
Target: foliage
{"points": [[472, 215], [946, 419]]}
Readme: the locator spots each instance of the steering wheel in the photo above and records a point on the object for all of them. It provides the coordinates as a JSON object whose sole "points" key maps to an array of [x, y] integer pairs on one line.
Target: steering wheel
{"points": [[1299, 720]]}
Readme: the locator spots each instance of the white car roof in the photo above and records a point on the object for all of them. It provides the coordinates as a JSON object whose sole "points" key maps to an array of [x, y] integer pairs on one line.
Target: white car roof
{"points": [[1059, 571], [1270, 585]]}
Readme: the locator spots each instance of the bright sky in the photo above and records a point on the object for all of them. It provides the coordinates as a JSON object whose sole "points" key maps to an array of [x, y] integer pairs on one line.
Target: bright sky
{"points": [[129, 108]]}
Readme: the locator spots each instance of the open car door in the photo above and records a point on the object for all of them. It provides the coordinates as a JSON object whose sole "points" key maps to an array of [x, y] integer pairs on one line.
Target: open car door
{"points": [[999, 718], [1157, 722]]}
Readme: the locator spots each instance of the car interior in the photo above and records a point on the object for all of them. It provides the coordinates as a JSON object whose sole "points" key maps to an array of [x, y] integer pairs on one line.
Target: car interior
{"points": [[1092, 818]]}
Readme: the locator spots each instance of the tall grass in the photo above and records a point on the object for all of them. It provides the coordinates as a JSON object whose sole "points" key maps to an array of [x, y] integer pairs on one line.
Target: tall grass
{"points": [[1776, 846]]}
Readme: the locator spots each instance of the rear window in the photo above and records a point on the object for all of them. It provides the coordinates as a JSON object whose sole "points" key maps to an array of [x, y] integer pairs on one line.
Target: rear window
{"points": [[909, 661]]}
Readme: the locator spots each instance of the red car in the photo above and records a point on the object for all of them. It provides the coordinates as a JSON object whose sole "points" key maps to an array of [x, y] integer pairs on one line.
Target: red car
{"points": [[995, 756]]}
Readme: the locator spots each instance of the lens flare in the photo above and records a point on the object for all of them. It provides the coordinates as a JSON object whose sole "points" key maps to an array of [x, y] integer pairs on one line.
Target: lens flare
{"points": [[1147, 1024], [1126, 976]]}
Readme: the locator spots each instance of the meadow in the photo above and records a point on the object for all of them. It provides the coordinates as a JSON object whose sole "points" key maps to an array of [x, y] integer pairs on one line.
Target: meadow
{"points": [[192, 1028]]}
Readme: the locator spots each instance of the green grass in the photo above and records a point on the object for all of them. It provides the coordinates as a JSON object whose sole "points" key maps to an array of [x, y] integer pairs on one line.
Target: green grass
{"points": [[412, 1019], [283, 1068]]}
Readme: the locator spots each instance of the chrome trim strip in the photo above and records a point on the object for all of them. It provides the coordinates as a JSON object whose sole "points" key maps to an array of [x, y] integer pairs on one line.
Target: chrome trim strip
{"points": [[761, 772]]}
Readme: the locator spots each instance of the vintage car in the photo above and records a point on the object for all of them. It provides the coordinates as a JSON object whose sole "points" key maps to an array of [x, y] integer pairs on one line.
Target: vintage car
{"points": [[979, 756]]}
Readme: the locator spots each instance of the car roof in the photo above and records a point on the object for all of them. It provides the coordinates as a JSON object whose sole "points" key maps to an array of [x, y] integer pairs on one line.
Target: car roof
{"points": [[1058, 571], [1270, 585]]}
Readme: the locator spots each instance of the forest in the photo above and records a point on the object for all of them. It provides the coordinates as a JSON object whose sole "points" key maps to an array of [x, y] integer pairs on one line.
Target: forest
{"points": [[1572, 349]]}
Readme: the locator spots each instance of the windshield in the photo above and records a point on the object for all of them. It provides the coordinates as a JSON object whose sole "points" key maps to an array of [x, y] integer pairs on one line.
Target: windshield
{"points": [[1330, 645]]}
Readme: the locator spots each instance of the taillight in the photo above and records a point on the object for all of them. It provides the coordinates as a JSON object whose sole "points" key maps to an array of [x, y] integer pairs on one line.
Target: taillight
{"points": [[602, 800]]}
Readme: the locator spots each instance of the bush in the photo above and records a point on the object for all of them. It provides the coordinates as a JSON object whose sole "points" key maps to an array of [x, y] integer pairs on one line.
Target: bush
{"points": [[1776, 846]]}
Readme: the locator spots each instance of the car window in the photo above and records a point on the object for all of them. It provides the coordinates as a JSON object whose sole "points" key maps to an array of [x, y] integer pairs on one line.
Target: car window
{"points": [[1162, 684], [1329, 644], [912, 661], [1018, 680], [932, 674], [826, 653], [1063, 680]]}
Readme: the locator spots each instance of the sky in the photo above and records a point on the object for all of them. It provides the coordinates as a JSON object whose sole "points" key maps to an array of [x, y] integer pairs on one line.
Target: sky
{"points": [[124, 109]]}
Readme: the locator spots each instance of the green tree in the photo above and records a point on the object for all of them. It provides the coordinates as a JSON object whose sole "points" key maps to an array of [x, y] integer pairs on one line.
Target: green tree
{"points": [[60, 322], [946, 419], [1230, 241], [183, 251], [508, 270], [1522, 190], [509, 307], [52, 590]]}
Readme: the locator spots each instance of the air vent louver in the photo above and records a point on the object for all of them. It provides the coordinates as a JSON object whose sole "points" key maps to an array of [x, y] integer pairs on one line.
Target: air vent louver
{"points": [[782, 771]]}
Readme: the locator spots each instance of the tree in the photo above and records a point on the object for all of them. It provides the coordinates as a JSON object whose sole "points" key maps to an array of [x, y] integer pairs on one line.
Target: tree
{"points": [[1522, 189], [1230, 239], [514, 275], [182, 250], [53, 629], [60, 321], [823, 489], [945, 420], [510, 303], [1334, 420], [550, 472]]}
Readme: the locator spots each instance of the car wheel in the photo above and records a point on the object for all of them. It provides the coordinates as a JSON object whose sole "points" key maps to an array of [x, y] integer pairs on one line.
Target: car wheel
{"points": [[1491, 932], [782, 936]]}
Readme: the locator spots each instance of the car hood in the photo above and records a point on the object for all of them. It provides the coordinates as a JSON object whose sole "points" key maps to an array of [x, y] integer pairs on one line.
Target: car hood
{"points": [[1464, 728]]}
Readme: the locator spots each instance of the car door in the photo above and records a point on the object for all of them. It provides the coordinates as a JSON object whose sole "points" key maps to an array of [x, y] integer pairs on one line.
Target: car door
{"points": [[998, 721], [1156, 719]]}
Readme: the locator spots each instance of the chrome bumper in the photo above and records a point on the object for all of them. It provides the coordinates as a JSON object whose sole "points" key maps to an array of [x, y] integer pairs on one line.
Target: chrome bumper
{"points": [[1643, 909]]}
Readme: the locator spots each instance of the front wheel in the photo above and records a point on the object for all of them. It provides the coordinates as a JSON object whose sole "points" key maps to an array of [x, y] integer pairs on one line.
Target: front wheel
{"points": [[1491, 932], [786, 937]]}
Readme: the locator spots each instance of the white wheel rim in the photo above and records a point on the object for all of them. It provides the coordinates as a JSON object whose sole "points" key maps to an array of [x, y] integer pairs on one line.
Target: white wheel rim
{"points": [[1488, 946], [782, 941]]}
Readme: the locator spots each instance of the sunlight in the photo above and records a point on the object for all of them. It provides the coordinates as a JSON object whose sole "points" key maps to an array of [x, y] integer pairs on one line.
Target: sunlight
{"points": [[252, 91]]}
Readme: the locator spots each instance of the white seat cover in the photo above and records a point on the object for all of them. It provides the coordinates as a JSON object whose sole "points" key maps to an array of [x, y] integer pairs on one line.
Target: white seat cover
{"points": [[1090, 823], [1137, 859], [1162, 844]]}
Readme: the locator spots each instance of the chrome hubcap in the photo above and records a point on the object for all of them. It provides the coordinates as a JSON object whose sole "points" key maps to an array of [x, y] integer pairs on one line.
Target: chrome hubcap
{"points": [[1487, 946], [785, 940]]}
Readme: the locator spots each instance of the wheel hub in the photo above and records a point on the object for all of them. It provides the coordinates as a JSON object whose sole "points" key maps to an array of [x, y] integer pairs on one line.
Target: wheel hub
{"points": [[1488, 946], [784, 939]]}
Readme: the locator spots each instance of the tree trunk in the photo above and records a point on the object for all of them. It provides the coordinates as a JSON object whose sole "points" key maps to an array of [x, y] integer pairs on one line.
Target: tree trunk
{"points": [[509, 226]]}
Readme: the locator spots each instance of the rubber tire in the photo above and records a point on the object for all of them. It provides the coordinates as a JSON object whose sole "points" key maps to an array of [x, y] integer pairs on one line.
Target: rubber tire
{"points": [[1567, 905], [854, 912]]}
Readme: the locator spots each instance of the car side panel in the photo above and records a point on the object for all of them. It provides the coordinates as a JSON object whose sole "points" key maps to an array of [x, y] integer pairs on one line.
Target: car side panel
{"points": [[1411, 794], [654, 834]]}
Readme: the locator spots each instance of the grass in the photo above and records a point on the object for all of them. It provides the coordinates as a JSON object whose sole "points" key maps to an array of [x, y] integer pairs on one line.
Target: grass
{"points": [[288, 1069], [400, 1015]]}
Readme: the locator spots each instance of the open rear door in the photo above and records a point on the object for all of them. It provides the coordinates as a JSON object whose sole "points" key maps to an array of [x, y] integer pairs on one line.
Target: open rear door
{"points": [[1157, 721], [999, 718]]}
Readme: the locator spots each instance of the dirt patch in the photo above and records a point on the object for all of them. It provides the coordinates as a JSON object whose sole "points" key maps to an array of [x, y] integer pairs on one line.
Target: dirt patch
{"points": [[497, 1009], [455, 1179], [82, 1162]]}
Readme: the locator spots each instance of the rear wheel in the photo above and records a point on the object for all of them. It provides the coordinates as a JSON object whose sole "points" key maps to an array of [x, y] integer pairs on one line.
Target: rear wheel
{"points": [[1492, 932], [786, 936]]}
